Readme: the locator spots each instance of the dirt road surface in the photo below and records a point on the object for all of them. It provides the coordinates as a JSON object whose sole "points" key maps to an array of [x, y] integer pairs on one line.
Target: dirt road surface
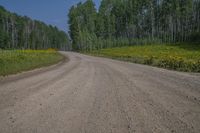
{"points": [[96, 95]]}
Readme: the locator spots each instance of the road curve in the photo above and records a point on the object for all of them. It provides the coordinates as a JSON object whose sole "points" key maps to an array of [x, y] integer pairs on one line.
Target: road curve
{"points": [[97, 95]]}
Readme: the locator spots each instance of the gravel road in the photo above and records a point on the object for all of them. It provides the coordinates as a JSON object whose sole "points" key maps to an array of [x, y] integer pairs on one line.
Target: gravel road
{"points": [[97, 95]]}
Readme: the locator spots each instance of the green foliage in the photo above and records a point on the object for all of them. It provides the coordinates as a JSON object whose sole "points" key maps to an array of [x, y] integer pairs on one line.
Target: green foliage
{"points": [[182, 57], [82, 21], [4, 40], [195, 37], [14, 61], [138, 21], [18, 32]]}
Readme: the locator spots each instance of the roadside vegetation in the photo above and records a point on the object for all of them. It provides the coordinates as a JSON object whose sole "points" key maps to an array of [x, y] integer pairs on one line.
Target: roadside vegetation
{"points": [[131, 22], [123, 29], [177, 57], [21, 32], [15, 61]]}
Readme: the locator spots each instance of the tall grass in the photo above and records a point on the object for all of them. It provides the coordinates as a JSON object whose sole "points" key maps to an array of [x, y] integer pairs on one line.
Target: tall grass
{"points": [[178, 57], [14, 61]]}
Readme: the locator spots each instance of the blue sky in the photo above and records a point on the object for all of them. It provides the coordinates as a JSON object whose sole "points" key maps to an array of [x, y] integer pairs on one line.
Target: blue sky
{"points": [[52, 12]]}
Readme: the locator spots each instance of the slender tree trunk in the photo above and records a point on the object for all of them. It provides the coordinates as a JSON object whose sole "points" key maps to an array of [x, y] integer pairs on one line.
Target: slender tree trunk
{"points": [[152, 21], [13, 32]]}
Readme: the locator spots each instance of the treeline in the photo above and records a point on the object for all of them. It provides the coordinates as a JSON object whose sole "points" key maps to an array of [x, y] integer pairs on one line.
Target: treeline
{"points": [[18, 32], [129, 22]]}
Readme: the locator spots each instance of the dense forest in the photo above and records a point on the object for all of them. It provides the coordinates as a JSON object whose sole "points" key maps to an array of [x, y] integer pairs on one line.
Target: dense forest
{"points": [[18, 32], [129, 22]]}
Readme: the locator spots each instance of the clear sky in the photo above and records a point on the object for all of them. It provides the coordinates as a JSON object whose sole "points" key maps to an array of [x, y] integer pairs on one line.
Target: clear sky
{"points": [[52, 12]]}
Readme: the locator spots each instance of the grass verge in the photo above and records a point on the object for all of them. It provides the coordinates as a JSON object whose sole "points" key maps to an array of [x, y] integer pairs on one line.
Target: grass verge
{"points": [[15, 61], [182, 57]]}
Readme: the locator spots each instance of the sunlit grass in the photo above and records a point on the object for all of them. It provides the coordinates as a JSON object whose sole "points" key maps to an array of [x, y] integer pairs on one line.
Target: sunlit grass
{"points": [[178, 57], [14, 61]]}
